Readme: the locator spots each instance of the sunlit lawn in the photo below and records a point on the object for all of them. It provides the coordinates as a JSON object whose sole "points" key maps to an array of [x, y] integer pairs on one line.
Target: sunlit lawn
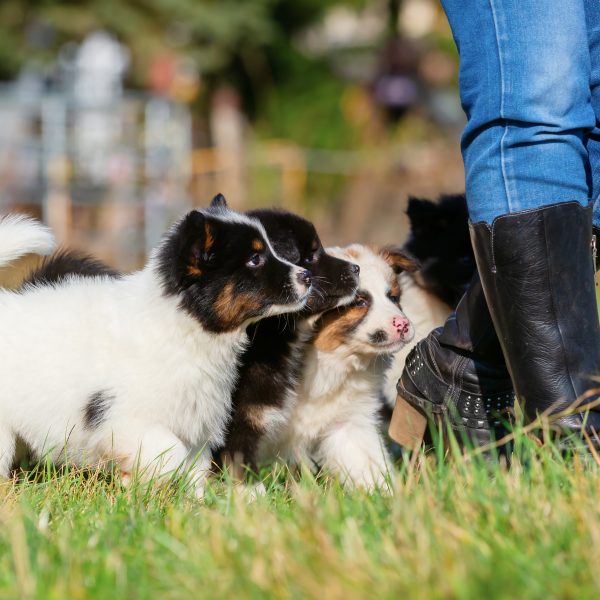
{"points": [[452, 529]]}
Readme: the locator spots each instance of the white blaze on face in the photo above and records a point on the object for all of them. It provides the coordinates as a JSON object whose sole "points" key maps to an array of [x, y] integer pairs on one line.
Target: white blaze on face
{"points": [[299, 278]]}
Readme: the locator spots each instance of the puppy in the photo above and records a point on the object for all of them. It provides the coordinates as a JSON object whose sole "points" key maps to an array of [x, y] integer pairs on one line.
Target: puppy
{"points": [[439, 240], [334, 422], [139, 369], [265, 392], [269, 367]]}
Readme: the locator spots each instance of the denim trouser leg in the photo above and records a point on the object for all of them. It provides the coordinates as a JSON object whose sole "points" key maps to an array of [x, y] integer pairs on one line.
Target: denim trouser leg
{"points": [[592, 13], [525, 78]]}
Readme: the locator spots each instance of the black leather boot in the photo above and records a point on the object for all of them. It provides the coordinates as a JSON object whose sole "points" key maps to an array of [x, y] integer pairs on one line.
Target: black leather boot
{"points": [[457, 375], [537, 273]]}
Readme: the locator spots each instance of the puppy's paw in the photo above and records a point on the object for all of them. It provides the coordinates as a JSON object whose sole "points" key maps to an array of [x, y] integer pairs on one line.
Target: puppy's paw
{"points": [[371, 481], [256, 491], [126, 479], [199, 492], [251, 492]]}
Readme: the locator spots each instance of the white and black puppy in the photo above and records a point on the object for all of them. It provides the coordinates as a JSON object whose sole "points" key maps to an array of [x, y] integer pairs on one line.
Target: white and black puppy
{"points": [[139, 369], [335, 420], [270, 367]]}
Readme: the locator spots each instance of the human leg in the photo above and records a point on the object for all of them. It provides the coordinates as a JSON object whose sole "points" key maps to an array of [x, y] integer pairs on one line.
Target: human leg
{"points": [[528, 177], [592, 15], [524, 84]]}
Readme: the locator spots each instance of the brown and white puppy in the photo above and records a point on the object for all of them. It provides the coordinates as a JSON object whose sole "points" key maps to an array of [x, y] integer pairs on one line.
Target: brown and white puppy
{"points": [[335, 421], [439, 240]]}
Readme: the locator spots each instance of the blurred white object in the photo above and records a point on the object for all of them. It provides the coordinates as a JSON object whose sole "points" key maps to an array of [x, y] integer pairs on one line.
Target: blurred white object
{"points": [[100, 64], [417, 17]]}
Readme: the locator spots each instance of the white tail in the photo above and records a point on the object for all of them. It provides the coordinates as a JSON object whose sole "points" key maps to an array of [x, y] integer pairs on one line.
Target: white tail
{"points": [[20, 235]]}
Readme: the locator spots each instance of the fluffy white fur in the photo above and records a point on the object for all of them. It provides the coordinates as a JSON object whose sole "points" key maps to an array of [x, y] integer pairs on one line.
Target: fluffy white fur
{"points": [[169, 381], [334, 421], [20, 235]]}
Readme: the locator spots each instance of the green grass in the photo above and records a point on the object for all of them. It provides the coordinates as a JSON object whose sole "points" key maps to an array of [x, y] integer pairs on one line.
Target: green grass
{"points": [[452, 529]]}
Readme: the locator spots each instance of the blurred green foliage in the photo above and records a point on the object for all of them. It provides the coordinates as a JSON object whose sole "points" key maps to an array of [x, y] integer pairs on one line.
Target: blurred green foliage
{"points": [[217, 33], [306, 106]]}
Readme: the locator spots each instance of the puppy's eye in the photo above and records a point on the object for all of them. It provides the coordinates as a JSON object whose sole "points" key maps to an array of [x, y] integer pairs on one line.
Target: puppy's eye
{"points": [[255, 261], [311, 258], [361, 301], [394, 299]]}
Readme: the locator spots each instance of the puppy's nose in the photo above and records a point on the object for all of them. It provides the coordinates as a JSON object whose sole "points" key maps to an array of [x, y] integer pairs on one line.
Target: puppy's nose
{"points": [[305, 277], [402, 325], [355, 269]]}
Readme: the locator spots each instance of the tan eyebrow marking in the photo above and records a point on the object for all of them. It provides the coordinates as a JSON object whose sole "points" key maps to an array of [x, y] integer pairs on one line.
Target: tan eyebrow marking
{"points": [[258, 245], [194, 270]]}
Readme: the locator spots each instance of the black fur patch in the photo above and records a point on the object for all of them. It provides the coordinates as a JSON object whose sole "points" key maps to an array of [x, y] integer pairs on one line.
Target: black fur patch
{"points": [[63, 263], [439, 239], [378, 337], [96, 408]]}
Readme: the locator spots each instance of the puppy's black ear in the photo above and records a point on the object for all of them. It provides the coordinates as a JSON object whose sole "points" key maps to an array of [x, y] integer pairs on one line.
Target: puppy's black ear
{"points": [[455, 206], [420, 210], [419, 205], [399, 259], [197, 239], [219, 201]]}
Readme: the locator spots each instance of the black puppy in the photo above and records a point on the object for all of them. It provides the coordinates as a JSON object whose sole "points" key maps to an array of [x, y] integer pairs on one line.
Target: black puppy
{"points": [[270, 366], [439, 239]]}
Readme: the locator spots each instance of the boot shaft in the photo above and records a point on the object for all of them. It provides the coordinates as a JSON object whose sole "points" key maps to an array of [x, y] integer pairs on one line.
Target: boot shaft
{"points": [[537, 273]]}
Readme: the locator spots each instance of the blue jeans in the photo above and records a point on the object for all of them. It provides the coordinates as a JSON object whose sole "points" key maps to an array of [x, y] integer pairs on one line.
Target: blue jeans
{"points": [[530, 87]]}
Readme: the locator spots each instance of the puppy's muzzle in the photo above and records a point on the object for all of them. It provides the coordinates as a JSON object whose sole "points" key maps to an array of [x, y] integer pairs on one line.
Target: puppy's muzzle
{"points": [[304, 277], [351, 275], [301, 280]]}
